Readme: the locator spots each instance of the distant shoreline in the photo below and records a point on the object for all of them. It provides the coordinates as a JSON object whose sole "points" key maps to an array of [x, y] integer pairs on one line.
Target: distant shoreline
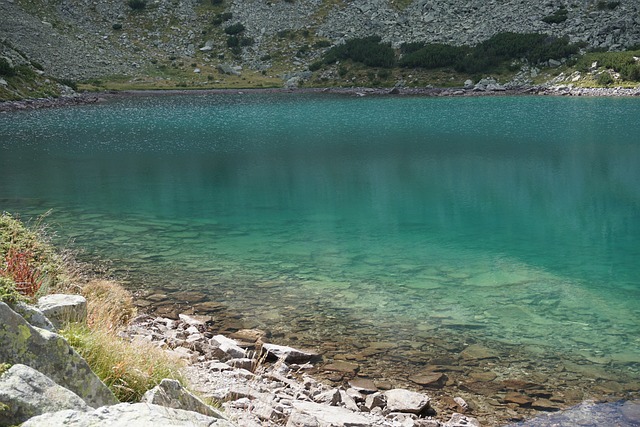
{"points": [[96, 97]]}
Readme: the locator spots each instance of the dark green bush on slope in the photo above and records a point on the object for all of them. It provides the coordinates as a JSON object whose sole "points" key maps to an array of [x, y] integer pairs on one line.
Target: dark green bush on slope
{"points": [[556, 17], [368, 51], [137, 4], [433, 55], [620, 62], [234, 29], [503, 47], [6, 69]]}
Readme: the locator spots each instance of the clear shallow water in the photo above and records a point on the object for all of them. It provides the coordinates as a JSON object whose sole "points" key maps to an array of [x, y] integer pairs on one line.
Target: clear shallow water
{"points": [[512, 222]]}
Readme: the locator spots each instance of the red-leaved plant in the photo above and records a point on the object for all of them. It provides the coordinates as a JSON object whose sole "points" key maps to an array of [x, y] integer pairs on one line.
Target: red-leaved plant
{"points": [[18, 267]]}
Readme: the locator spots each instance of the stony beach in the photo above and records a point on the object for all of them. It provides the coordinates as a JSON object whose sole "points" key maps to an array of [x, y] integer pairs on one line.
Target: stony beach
{"points": [[485, 87], [494, 386]]}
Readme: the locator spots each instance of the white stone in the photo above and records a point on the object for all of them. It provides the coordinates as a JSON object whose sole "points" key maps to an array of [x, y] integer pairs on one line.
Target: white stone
{"points": [[459, 420], [228, 346], [61, 309], [127, 415], [401, 400], [323, 415]]}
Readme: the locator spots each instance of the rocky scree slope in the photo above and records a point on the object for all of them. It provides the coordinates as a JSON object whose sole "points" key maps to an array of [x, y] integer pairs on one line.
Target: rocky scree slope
{"points": [[84, 39]]}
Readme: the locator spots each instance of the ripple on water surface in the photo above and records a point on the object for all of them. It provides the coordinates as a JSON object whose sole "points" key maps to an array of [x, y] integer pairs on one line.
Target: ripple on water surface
{"points": [[495, 239]]}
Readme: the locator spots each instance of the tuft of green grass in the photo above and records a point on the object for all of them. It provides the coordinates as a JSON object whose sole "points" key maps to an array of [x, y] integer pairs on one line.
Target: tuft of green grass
{"points": [[128, 369], [4, 367]]}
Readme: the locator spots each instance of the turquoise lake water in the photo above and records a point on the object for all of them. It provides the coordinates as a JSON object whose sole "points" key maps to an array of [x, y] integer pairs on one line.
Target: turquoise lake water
{"points": [[510, 221]]}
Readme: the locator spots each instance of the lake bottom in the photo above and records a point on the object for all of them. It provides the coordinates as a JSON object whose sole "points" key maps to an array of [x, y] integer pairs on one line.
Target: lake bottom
{"points": [[513, 340]]}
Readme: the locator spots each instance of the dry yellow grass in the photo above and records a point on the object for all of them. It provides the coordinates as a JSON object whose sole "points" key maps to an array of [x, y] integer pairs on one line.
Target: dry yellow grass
{"points": [[109, 305]]}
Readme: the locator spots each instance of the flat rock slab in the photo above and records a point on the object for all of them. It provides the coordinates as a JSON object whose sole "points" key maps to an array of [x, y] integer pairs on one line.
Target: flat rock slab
{"points": [[363, 385], [478, 352], [171, 394], [401, 400], [430, 379], [127, 415], [323, 415], [342, 367], [27, 393], [288, 354]]}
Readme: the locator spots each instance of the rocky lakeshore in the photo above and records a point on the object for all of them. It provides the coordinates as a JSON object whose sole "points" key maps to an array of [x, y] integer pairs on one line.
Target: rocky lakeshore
{"points": [[268, 384], [484, 87], [257, 383]]}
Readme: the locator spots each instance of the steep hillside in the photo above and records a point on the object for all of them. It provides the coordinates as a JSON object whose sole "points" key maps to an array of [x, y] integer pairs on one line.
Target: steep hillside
{"points": [[262, 42]]}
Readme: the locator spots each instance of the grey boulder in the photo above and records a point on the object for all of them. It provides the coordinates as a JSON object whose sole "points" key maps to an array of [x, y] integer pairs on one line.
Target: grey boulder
{"points": [[50, 354], [26, 393], [127, 415], [171, 394], [62, 309]]}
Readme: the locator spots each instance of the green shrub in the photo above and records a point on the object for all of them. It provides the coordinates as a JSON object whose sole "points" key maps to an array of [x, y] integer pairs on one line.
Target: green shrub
{"points": [[221, 17], [411, 47], [68, 82], [8, 292], [315, 66], [368, 51], [233, 41], [631, 73], [137, 4], [234, 29], [6, 69], [216, 2], [283, 34], [502, 47], [604, 79], [604, 5], [322, 43], [117, 26], [620, 62], [433, 55], [26, 71], [556, 17], [384, 74]]}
